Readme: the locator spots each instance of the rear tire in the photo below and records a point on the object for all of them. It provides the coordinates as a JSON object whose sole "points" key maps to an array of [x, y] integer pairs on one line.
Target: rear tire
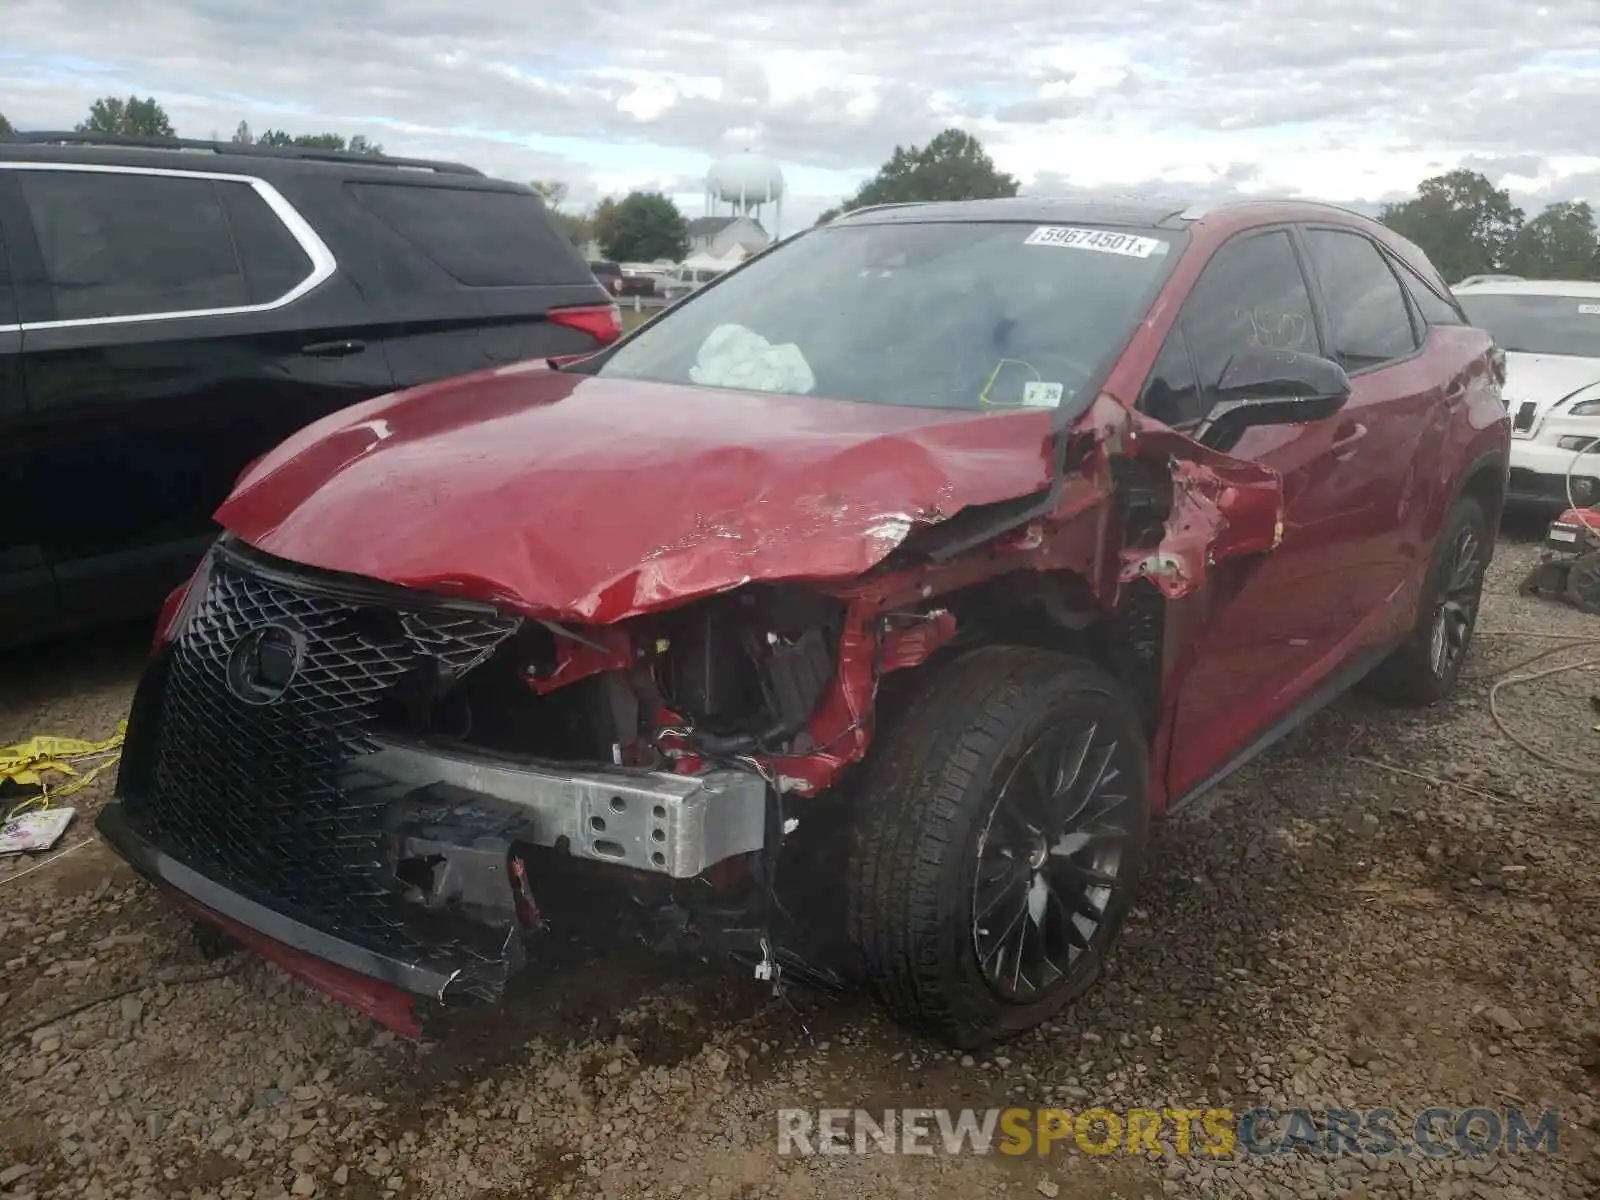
{"points": [[1424, 669], [998, 842]]}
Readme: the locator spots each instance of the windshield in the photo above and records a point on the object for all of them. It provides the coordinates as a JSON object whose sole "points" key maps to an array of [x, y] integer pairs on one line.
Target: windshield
{"points": [[938, 315], [1536, 324]]}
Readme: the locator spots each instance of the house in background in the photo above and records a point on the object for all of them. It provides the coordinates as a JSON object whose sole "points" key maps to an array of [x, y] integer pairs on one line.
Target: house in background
{"points": [[716, 237]]}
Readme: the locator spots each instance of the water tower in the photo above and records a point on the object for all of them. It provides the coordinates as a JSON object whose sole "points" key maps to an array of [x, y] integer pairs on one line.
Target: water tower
{"points": [[744, 182]]}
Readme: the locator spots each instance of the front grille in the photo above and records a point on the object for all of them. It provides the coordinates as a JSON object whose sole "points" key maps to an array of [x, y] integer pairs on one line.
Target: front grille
{"points": [[255, 789], [1523, 421]]}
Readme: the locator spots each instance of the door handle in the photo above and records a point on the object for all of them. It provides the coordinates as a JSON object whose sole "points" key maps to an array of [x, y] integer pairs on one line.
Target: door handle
{"points": [[338, 349], [1346, 438]]}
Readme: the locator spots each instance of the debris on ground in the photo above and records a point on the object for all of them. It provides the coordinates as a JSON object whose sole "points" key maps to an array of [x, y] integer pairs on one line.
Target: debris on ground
{"points": [[1410, 925]]}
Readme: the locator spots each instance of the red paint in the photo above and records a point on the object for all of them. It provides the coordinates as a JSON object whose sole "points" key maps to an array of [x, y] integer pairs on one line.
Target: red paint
{"points": [[594, 500], [910, 646], [388, 1005], [612, 651], [169, 614]]}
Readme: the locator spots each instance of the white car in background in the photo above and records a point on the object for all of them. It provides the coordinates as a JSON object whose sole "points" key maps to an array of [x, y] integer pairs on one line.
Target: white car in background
{"points": [[1550, 333], [683, 280]]}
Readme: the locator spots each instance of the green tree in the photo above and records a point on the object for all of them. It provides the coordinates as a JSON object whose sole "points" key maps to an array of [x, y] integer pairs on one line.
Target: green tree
{"points": [[1559, 243], [242, 135], [1462, 222], [132, 117], [643, 227], [953, 166], [579, 227], [320, 141], [5, 126]]}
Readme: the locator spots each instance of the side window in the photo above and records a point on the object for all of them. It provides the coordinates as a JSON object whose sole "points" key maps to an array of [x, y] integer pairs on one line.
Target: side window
{"points": [[1435, 309], [274, 263], [1371, 324], [1171, 394], [1250, 295], [119, 245]]}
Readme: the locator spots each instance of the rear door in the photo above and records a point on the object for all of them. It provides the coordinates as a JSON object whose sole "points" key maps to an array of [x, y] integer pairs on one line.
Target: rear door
{"points": [[175, 326], [467, 274], [1395, 425], [27, 587]]}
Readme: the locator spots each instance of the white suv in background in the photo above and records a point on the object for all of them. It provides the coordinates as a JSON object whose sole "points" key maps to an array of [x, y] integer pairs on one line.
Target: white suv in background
{"points": [[1550, 333]]}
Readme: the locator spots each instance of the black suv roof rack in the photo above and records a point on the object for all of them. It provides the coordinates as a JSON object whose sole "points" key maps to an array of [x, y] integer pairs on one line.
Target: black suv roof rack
{"points": [[306, 153]]}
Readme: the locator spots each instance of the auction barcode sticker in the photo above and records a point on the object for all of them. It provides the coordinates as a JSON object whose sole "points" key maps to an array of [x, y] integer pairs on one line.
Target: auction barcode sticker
{"points": [[1103, 240]]}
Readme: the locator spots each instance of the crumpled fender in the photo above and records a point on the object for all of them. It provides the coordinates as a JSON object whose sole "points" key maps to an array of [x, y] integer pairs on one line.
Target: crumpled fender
{"points": [[1222, 507]]}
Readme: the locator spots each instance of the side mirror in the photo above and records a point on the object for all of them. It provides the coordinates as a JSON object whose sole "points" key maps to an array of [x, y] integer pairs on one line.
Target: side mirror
{"points": [[1273, 387]]}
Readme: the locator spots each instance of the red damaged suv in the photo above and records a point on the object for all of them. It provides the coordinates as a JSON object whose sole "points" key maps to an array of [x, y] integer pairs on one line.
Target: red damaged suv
{"points": [[959, 539]]}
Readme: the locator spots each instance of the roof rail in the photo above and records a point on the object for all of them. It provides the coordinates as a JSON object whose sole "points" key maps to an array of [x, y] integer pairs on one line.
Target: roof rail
{"points": [[304, 153]]}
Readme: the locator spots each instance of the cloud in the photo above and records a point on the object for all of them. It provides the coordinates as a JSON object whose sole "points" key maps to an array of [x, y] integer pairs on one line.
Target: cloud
{"points": [[1353, 100]]}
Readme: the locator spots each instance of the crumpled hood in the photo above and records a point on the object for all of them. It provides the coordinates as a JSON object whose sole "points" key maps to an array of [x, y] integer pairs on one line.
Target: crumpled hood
{"points": [[592, 499], [1546, 378]]}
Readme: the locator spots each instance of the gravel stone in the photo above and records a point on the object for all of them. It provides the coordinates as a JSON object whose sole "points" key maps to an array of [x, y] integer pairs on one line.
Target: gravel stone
{"points": [[1318, 931]]}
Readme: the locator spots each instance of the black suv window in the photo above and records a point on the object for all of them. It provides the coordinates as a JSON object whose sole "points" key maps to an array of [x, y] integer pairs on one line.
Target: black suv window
{"points": [[478, 238], [1435, 309], [1251, 294], [120, 245], [1371, 324], [274, 263]]}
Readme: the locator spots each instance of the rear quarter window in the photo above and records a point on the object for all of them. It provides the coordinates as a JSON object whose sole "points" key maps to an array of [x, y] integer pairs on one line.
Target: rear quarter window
{"points": [[478, 238]]}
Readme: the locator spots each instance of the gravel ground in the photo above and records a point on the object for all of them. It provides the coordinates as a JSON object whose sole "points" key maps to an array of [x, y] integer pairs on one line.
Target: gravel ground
{"points": [[1387, 910]]}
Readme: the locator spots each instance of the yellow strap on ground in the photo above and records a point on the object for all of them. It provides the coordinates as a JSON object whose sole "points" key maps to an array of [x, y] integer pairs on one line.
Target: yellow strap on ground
{"points": [[33, 762]]}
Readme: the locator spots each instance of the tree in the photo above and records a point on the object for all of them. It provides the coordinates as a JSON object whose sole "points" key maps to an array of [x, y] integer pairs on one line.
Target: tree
{"points": [[578, 227], [320, 141], [132, 117], [953, 166], [1559, 243], [552, 191], [1461, 221], [645, 226], [5, 126], [242, 135]]}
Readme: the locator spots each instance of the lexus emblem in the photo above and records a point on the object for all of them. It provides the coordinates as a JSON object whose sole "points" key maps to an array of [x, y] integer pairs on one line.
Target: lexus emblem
{"points": [[264, 663]]}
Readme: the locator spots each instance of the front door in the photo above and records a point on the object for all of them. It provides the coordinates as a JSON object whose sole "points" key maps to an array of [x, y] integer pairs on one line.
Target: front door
{"points": [[1277, 623]]}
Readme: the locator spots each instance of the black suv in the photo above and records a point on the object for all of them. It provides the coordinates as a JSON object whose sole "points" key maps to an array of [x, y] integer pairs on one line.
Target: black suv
{"points": [[170, 310]]}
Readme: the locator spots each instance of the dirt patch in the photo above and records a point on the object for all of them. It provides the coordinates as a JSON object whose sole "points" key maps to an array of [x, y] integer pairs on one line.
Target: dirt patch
{"points": [[1396, 910]]}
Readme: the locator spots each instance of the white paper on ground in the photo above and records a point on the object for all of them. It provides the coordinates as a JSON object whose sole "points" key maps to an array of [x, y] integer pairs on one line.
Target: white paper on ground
{"points": [[35, 830]]}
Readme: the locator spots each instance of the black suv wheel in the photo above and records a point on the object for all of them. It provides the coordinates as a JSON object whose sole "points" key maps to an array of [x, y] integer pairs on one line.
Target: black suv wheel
{"points": [[999, 841]]}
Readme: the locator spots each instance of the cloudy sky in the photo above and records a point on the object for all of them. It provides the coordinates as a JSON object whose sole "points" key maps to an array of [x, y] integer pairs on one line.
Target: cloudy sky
{"points": [[1349, 100]]}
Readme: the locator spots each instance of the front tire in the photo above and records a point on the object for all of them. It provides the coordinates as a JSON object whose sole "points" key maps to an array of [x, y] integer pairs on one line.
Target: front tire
{"points": [[1424, 669], [1001, 833]]}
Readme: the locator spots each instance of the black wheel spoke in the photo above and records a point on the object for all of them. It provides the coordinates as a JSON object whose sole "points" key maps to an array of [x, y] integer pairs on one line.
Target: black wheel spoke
{"points": [[1456, 605], [1082, 876], [1051, 858], [1091, 818], [999, 889], [1075, 901]]}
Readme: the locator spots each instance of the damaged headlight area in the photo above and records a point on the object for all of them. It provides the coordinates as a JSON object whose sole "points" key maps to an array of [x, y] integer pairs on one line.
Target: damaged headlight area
{"points": [[383, 779]]}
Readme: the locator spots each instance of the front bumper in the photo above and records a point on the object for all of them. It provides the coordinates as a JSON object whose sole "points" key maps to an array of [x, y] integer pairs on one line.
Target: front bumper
{"points": [[280, 800], [454, 836], [1539, 471], [379, 985]]}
